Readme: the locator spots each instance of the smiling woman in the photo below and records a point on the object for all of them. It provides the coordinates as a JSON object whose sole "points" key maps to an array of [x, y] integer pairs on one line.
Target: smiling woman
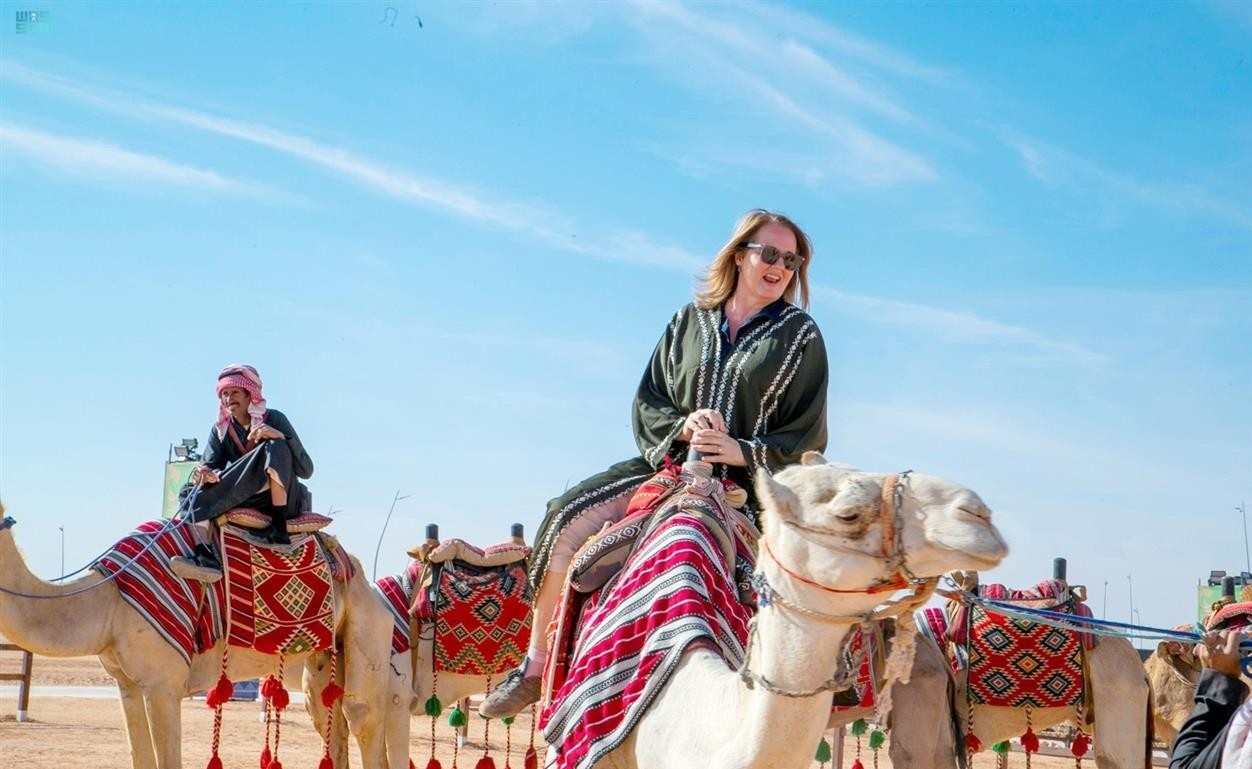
{"points": [[739, 376]]}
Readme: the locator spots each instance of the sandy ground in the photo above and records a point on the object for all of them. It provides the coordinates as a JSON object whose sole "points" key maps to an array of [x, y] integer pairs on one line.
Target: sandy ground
{"points": [[69, 731]]}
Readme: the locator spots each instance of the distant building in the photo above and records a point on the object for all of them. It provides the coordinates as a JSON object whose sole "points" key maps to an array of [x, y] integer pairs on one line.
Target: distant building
{"points": [[1208, 592]]}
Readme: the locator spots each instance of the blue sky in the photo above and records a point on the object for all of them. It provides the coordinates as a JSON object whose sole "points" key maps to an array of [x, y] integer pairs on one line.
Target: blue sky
{"points": [[450, 248]]}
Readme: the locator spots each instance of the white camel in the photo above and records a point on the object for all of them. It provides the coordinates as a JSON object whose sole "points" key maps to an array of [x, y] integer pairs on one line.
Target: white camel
{"points": [[827, 524], [152, 677]]}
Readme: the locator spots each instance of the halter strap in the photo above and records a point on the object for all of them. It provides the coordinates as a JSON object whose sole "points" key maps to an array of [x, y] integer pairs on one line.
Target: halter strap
{"points": [[897, 581]]}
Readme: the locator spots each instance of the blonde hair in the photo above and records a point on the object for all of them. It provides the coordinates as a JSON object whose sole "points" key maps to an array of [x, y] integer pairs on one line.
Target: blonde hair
{"points": [[718, 282]]}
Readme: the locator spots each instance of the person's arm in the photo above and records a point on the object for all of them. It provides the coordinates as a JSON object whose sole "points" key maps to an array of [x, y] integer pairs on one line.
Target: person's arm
{"points": [[300, 459], [214, 457], [794, 420], [657, 419], [1217, 696]]}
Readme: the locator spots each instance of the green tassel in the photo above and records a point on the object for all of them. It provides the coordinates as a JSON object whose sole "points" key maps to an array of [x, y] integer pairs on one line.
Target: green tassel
{"points": [[1001, 747], [823, 751], [876, 739], [433, 707], [457, 718], [508, 721], [859, 727]]}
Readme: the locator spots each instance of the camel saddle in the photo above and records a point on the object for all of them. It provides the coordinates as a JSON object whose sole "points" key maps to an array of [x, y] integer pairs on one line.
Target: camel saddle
{"points": [[478, 602]]}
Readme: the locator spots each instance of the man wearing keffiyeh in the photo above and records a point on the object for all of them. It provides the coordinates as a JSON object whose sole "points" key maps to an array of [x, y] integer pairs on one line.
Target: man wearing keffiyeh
{"points": [[1217, 734], [253, 459]]}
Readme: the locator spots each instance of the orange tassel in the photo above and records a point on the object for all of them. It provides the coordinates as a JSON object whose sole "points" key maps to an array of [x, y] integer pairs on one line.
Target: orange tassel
{"points": [[1030, 742]]}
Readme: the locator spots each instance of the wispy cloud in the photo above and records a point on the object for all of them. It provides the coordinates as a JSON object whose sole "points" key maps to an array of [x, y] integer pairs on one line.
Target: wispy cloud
{"points": [[95, 158], [953, 325], [540, 222], [720, 57], [1055, 166]]}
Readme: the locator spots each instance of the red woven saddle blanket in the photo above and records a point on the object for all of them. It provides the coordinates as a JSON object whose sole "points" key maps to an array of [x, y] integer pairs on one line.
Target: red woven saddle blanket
{"points": [[859, 653], [187, 614], [480, 613], [397, 594], [280, 597], [617, 647], [1052, 595], [1019, 663]]}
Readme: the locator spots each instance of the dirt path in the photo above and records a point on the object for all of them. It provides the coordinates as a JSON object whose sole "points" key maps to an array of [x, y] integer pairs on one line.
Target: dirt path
{"points": [[69, 731]]}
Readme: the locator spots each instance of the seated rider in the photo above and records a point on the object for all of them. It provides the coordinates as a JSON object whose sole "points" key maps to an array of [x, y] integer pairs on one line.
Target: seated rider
{"points": [[253, 459], [1219, 733]]}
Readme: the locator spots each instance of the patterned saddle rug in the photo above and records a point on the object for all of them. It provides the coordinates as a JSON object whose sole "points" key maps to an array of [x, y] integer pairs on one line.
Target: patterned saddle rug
{"points": [[862, 652], [1232, 615], [192, 616], [1019, 663], [397, 594], [479, 603], [280, 597], [616, 648]]}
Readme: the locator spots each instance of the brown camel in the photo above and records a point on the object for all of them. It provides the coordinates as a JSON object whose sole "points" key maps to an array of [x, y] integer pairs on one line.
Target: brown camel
{"points": [[152, 676]]}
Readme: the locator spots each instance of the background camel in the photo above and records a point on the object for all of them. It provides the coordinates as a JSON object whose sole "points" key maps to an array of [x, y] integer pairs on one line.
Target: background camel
{"points": [[828, 524], [152, 677]]}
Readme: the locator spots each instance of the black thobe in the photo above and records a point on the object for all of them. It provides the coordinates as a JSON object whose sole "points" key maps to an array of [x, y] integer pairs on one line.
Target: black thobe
{"points": [[1200, 743], [244, 470]]}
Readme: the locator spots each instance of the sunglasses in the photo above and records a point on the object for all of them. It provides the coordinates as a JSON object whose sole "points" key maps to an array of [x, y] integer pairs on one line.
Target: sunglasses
{"points": [[770, 255]]}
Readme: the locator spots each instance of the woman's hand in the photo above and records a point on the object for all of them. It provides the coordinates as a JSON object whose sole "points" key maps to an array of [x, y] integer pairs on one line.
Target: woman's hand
{"points": [[1220, 651], [717, 446], [265, 433], [701, 419], [204, 474]]}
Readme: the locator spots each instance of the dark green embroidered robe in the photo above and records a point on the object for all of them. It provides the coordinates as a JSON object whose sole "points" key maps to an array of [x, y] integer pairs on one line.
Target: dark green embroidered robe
{"points": [[769, 386]]}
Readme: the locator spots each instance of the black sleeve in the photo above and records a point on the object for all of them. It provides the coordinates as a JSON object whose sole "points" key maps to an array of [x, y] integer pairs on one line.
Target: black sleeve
{"points": [[800, 424], [300, 459], [213, 455], [1199, 744], [657, 419]]}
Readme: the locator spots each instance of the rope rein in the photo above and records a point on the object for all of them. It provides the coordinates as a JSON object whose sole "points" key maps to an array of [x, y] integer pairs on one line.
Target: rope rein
{"points": [[178, 519]]}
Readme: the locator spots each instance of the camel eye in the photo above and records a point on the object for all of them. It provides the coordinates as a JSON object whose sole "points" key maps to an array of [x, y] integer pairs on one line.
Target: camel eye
{"points": [[980, 512], [851, 516]]}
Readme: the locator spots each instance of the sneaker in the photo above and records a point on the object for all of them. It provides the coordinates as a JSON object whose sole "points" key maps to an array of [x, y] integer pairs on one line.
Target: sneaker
{"points": [[513, 694]]}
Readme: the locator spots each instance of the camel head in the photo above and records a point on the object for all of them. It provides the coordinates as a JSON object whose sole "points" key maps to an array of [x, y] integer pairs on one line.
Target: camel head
{"points": [[832, 523]]}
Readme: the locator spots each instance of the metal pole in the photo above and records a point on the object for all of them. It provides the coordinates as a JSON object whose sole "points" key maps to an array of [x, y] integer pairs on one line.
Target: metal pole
{"points": [[1138, 621], [1131, 584], [1104, 612], [384, 531], [62, 528], [1247, 559]]}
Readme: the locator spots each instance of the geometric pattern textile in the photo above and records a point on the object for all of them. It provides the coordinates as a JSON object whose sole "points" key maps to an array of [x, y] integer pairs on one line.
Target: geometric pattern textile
{"points": [[481, 617], [280, 596], [675, 592], [860, 652], [1232, 615], [185, 612], [1018, 663]]}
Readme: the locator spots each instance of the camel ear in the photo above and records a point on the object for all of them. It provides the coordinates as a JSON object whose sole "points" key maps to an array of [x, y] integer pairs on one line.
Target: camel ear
{"points": [[812, 458], [966, 580], [775, 497]]}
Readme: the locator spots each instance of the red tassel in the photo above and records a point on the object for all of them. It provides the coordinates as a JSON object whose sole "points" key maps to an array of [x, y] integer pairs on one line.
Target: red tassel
{"points": [[332, 692], [1081, 743], [857, 764], [276, 764], [215, 762], [486, 762], [1030, 743], [266, 758], [269, 686], [281, 699], [411, 766], [432, 764], [326, 763], [972, 743], [220, 693], [532, 759]]}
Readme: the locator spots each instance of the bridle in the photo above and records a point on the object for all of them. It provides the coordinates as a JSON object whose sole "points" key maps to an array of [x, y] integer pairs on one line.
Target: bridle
{"points": [[891, 553]]}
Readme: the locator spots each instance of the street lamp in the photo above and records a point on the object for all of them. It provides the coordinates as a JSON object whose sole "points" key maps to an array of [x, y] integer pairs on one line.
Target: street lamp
{"points": [[1131, 583], [1138, 638], [62, 528], [384, 531]]}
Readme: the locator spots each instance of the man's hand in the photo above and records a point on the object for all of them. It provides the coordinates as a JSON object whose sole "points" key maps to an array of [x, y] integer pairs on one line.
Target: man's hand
{"points": [[1220, 651], [265, 433], [701, 419], [204, 474]]}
